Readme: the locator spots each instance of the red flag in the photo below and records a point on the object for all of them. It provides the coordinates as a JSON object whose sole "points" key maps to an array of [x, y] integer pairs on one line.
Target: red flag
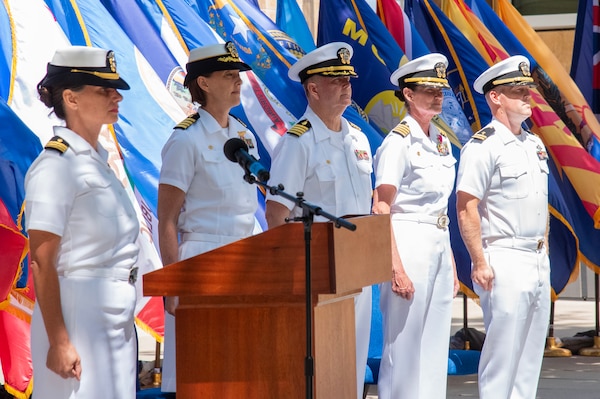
{"points": [[395, 21], [14, 247], [15, 310]]}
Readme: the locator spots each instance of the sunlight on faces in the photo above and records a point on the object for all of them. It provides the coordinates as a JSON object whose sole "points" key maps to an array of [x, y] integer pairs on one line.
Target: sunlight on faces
{"points": [[94, 103], [222, 87], [515, 100], [336, 91], [424, 99]]}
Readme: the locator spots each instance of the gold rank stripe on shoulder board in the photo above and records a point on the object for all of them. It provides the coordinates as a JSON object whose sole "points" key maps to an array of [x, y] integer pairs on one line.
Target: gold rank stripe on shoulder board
{"points": [[484, 133], [402, 129], [187, 122], [300, 128], [57, 143]]}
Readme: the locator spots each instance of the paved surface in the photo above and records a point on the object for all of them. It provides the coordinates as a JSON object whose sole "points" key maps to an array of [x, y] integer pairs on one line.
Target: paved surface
{"points": [[575, 377]]}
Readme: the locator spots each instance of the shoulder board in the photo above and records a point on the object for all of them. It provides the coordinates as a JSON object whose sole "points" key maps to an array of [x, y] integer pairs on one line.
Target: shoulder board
{"points": [[187, 122], [239, 120], [300, 128], [355, 126], [57, 143], [402, 129], [484, 133]]}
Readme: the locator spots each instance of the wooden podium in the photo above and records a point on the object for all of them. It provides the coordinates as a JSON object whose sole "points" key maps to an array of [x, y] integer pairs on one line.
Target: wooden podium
{"points": [[241, 317]]}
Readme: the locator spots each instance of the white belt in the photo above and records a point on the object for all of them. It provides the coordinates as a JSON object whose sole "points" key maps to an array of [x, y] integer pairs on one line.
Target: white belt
{"points": [[109, 273], [532, 244], [209, 238], [441, 222]]}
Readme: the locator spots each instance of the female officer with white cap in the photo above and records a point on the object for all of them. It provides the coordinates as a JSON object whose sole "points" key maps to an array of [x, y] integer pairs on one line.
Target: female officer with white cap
{"points": [[82, 232], [414, 171], [202, 197], [329, 160], [502, 207]]}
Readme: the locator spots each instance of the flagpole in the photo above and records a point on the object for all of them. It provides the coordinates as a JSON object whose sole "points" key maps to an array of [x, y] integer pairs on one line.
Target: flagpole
{"points": [[495, 5], [595, 350], [552, 349]]}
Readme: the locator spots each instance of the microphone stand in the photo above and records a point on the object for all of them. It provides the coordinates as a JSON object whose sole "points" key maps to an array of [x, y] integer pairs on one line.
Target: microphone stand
{"points": [[308, 213]]}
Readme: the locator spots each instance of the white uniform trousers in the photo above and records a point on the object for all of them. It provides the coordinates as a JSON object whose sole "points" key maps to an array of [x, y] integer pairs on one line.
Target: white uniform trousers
{"points": [[98, 314], [516, 315], [363, 304], [414, 363], [187, 249]]}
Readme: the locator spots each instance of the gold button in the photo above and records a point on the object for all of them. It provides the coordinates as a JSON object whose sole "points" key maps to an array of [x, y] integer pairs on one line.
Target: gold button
{"points": [[210, 147]]}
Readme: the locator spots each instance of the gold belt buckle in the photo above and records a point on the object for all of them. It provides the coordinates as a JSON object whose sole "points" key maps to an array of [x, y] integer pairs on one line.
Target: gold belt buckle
{"points": [[442, 222], [540, 245]]}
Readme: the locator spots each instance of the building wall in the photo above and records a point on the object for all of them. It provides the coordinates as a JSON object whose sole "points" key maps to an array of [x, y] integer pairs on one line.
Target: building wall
{"points": [[561, 44]]}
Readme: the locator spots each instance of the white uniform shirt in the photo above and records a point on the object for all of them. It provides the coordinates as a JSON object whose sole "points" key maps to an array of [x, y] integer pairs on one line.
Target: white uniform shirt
{"points": [[420, 167], [218, 200], [77, 196], [333, 169], [509, 174]]}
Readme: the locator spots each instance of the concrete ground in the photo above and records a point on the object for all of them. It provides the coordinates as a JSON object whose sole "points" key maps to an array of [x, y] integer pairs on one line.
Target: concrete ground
{"points": [[575, 377]]}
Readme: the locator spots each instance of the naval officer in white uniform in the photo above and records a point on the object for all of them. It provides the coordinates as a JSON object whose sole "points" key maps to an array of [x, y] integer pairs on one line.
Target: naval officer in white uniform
{"points": [[502, 204], [329, 160], [82, 236], [203, 200], [415, 171]]}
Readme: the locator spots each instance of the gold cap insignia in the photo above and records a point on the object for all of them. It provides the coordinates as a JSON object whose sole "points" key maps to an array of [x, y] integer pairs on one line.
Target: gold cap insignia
{"points": [[440, 70], [524, 68], [232, 50], [344, 56], [112, 62]]}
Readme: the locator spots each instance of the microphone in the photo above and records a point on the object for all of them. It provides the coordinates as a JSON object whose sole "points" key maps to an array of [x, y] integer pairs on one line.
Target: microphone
{"points": [[236, 150]]}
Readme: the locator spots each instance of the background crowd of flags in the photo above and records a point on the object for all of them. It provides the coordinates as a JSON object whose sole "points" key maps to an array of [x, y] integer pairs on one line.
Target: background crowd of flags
{"points": [[152, 38]]}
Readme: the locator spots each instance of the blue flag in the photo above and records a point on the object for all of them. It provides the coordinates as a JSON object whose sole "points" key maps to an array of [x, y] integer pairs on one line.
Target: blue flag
{"points": [[18, 149], [290, 19], [566, 220], [147, 118], [269, 60], [584, 68], [562, 239], [146, 36], [582, 223], [564, 251], [465, 64], [373, 91], [6, 52]]}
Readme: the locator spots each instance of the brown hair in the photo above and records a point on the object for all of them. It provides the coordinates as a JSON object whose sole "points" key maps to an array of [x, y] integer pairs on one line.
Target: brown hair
{"points": [[399, 93], [52, 97], [198, 95]]}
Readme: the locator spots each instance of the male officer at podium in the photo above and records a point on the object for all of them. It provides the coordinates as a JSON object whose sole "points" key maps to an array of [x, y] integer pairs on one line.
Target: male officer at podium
{"points": [[502, 206], [328, 159]]}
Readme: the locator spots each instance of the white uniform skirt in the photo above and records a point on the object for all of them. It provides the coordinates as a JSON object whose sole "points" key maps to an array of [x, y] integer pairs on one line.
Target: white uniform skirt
{"points": [[99, 316]]}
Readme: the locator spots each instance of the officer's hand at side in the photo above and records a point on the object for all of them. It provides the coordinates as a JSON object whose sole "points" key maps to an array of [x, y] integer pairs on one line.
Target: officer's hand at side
{"points": [[64, 360], [483, 275], [401, 284]]}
